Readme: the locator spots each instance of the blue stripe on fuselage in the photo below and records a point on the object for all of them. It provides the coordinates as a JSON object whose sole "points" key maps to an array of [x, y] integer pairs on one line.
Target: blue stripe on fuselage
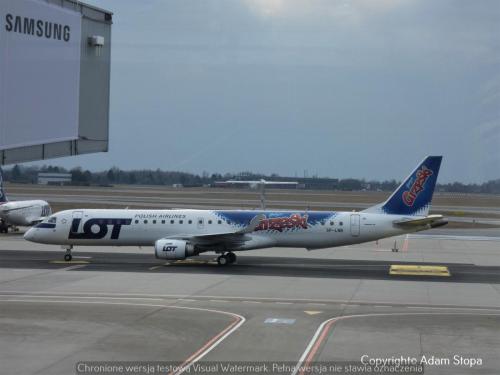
{"points": [[242, 218]]}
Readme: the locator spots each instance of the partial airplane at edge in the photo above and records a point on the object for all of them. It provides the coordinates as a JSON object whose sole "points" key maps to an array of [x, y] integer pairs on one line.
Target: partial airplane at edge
{"points": [[178, 234], [23, 213]]}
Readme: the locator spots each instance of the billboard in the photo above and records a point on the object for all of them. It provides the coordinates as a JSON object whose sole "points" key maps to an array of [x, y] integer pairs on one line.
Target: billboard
{"points": [[40, 46]]}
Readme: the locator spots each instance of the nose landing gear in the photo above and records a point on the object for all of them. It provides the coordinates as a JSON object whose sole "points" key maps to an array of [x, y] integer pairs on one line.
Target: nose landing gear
{"points": [[226, 259], [68, 256]]}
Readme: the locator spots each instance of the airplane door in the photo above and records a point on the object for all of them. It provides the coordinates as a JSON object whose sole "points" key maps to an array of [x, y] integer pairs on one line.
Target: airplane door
{"points": [[75, 223], [355, 225], [201, 223]]}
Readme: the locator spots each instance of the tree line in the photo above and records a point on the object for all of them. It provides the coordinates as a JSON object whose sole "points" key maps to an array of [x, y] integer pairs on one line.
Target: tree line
{"points": [[112, 176]]}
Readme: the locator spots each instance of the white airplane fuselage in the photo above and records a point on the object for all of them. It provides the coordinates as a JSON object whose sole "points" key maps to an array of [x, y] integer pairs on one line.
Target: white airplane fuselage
{"points": [[178, 234], [316, 229], [24, 213]]}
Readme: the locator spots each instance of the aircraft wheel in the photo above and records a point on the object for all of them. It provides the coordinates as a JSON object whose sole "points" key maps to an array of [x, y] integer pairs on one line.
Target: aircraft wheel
{"points": [[68, 257], [231, 257], [222, 260]]}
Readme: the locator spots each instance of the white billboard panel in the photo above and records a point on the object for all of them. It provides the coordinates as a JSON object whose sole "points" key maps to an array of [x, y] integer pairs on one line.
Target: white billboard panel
{"points": [[39, 73]]}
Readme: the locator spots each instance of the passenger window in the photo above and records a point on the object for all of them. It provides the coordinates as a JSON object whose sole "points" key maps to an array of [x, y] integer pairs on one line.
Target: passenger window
{"points": [[137, 221], [172, 221], [145, 221], [200, 221], [181, 221], [209, 221], [154, 221], [341, 223], [322, 222], [219, 222], [331, 223], [163, 221], [190, 222]]}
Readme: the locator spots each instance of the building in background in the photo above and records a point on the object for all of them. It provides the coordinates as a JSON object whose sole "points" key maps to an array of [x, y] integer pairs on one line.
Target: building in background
{"points": [[55, 79], [47, 178]]}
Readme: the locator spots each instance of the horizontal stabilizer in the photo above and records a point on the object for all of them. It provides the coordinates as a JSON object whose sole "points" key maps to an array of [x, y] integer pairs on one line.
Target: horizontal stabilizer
{"points": [[432, 220]]}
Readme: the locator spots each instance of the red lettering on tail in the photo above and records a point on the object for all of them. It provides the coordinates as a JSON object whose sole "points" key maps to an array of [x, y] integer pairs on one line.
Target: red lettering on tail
{"points": [[418, 186]]}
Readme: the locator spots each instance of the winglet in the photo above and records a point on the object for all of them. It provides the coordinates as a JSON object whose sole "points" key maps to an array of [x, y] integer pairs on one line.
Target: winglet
{"points": [[254, 223]]}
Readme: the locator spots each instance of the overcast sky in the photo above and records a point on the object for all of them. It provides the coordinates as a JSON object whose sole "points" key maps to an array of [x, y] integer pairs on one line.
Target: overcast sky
{"points": [[338, 88]]}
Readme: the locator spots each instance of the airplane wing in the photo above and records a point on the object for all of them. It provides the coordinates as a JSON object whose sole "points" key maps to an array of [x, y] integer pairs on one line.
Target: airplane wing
{"points": [[432, 220], [229, 238]]}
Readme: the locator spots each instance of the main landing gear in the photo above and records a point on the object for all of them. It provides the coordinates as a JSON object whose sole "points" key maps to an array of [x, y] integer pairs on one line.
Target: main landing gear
{"points": [[4, 228], [68, 256], [226, 259]]}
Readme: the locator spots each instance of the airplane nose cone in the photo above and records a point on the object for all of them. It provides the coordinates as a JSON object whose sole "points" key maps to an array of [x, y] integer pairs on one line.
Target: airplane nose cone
{"points": [[30, 234]]}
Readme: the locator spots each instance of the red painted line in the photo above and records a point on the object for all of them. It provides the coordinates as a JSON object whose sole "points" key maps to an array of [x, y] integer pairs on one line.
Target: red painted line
{"points": [[316, 346], [208, 344]]}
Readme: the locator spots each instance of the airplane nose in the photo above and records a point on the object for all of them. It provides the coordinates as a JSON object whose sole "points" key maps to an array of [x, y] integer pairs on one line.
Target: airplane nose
{"points": [[30, 234]]}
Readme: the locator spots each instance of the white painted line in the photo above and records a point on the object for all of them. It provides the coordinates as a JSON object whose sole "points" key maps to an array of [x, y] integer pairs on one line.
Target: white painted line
{"points": [[218, 300], [86, 297], [284, 303], [181, 297], [310, 345], [279, 321], [316, 304], [251, 301], [195, 357], [321, 334], [74, 267], [186, 300]]}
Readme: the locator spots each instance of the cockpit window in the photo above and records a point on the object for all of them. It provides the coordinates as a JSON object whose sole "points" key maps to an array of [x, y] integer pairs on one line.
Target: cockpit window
{"points": [[52, 220]]}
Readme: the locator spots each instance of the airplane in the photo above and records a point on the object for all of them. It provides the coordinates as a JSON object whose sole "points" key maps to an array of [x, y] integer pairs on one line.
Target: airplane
{"points": [[181, 233], [22, 213]]}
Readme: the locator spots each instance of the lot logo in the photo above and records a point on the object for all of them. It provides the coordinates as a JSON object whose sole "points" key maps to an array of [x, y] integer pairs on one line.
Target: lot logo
{"points": [[169, 247], [95, 229], [281, 223], [40, 28], [418, 186]]}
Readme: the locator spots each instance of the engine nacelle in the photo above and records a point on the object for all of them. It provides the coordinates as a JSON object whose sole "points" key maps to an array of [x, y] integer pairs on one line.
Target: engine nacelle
{"points": [[174, 249]]}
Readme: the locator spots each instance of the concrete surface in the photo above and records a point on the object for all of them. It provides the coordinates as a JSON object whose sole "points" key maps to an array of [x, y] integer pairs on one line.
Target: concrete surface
{"points": [[126, 305]]}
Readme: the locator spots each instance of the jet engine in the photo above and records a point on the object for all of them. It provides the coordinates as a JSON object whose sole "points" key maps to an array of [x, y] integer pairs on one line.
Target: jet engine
{"points": [[174, 249]]}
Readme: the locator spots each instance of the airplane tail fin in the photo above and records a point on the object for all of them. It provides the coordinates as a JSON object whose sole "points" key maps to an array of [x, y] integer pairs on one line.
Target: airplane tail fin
{"points": [[414, 195], [3, 197]]}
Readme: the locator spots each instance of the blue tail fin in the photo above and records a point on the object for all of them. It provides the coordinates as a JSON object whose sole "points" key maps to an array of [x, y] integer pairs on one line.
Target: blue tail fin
{"points": [[414, 195], [3, 197]]}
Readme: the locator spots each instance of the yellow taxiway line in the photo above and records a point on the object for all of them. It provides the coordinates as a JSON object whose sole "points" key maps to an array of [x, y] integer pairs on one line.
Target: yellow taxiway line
{"points": [[415, 270]]}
